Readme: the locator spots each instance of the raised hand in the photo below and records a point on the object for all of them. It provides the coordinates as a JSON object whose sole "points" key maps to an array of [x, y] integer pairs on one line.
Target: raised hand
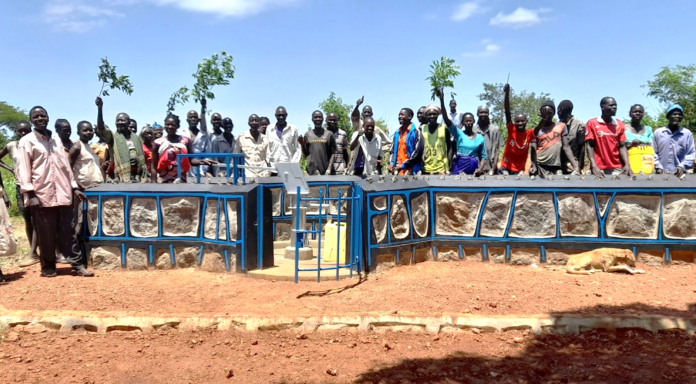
{"points": [[99, 102], [506, 88], [203, 102], [360, 101]]}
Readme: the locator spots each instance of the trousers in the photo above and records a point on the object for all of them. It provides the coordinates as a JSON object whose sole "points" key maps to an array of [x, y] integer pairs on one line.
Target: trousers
{"points": [[55, 228]]}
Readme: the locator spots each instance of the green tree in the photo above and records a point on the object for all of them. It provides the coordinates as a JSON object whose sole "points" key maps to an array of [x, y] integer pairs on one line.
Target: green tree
{"points": [[660, 121], [334, 104], [676, 85], [524, 102], [9, 116]]}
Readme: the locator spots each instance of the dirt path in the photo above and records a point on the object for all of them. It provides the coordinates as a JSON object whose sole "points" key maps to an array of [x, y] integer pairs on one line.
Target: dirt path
{"points": [[170, 356], [427, 288]]}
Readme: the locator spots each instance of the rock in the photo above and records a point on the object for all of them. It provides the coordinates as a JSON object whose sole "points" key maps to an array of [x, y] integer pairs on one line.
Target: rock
{"points": [[534, 216], [400, 223], [447, 254], [229, 373], [496, 215], [651, 258], [679, 216], [92, 215], [143, 218], [180, 216], [163, 260], [211, 221], [602, 201], [379, 203], [496, 254], [136, 259], [420, 214], [559, 256], [106, 258], [578, 216], [213, 262], [282, 232], [186, 257], [232, 209], [385, 262], [332, 372], [112, 216], [12, 336], [633, 216], [276, 194], [379, 228], [333, 192], [456, 213], [524, 256]]}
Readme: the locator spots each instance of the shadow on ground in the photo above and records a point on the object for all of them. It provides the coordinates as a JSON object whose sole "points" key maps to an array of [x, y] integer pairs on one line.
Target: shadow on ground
{"points": [[622, 355]]}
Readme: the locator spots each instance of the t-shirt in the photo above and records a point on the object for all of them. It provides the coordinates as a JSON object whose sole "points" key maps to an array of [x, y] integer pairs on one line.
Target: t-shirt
{"points": [[402, 153], [646, 137], [549, 145], [607, 138], [494, 140], [320, 148], [517, 148], [339, 163]]}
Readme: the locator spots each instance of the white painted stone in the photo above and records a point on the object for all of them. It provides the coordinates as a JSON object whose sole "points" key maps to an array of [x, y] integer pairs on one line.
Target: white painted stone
{"points": [[379, 203], [400, 223], [679, 217], [180, 216], [211, 221], [143, 217], [232, 213], [634, 217], [496, 215], [276, 194], [578, 216], [379, 227], [113, 221], [457, 213], [420, 214], [534, 216]]}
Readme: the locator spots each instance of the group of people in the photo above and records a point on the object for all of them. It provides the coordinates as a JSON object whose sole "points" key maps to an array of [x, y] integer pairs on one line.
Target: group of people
{"points": [[52, 172]]}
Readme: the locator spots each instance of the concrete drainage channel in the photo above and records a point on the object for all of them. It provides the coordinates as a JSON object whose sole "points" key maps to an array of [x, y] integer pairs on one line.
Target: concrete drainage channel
{"points": [[67, 322]]}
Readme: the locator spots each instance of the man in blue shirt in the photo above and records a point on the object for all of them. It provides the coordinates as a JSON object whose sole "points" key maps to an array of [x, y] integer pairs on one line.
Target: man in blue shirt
{"points": [[673, 144]]}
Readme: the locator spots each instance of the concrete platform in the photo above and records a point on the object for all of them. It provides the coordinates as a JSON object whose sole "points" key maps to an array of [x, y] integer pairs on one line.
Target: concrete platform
{"points": [[284, 269]]}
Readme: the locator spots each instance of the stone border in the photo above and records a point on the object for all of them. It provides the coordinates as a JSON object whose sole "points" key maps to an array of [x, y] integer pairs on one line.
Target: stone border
{"points": [[68, 321]]}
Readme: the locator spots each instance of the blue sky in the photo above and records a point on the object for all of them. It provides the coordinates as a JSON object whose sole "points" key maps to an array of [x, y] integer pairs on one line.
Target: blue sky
{"points": [[295, 52]]}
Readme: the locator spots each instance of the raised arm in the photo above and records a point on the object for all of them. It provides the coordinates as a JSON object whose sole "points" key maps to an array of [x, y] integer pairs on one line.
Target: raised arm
{"points": [[355, 115], [101, 131], [204, 125], [443, 109], [508, 116]]}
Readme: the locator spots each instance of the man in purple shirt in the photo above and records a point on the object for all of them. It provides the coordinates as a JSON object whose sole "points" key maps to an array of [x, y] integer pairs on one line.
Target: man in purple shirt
{"points": [[673, 145]]}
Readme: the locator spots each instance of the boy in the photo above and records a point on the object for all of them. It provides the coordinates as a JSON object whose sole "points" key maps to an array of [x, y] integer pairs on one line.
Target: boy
{"points": [[22, 128], [518, 141], [368, 158]]}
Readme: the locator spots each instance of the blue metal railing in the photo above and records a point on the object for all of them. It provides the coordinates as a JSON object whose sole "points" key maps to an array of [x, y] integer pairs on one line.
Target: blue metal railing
{"points": [[231, 170], [354, 248]]}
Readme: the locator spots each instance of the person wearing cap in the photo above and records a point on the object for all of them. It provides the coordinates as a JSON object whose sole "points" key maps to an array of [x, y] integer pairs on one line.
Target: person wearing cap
{"points": [[550, 140], [492, 137], [673, 144], [576, 137], [605, 137]]}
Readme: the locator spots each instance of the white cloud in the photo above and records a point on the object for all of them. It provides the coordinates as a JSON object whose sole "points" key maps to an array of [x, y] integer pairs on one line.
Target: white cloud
{"points": [[490, 50], [521, 17], [76, 15], [466, 10], [237, 8]]}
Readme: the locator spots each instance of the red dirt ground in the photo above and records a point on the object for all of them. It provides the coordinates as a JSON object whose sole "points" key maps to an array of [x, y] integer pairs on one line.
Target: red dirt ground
{"points": [[207, 356], [429, 288]]}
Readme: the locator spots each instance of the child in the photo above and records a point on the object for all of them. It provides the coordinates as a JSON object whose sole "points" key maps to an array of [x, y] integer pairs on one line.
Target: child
{"points": [[22, 128], [367, 147], [518, 141]]}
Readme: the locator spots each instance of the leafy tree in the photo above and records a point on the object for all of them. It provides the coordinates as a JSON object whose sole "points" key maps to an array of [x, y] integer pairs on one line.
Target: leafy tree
{"points": [[107, 75], [676, 85], [442, 74], [660, 121], [179, 97], [524, 102], [216, 70], [9, 116], [334, 104]]}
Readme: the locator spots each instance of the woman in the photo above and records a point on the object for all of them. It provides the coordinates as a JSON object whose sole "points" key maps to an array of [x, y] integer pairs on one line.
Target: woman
{"points": [[165, 151], [147, 135], [638, 134], [471, 147]]}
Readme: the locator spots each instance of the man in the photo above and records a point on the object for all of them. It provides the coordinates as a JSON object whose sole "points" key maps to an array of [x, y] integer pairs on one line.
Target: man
{"points": [[357, 120], [254, 146], [491, 136], [264, 123], [283, 146], [367, 150], [605, 137], [133, 125], [420, 116], [341, 155], [216, 122], [64, 130], [576, 137], [319, 147], [223, 144], [673, 144], [438, 145], [49, 187], [200, 141], [407, 151], [454, 114], [125, 148], [550, 140]]}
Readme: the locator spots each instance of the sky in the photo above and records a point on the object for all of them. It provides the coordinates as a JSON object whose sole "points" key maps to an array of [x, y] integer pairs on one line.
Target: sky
{"points": [[295, 52]]}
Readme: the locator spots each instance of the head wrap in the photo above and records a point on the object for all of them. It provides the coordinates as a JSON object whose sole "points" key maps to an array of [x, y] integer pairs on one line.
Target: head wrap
{"points": [[432, 107], [674, 107], [549, 103], [481, 108], [155, 125]]}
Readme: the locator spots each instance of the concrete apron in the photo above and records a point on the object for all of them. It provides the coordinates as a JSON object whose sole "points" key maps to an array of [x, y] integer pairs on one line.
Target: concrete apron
{"points": [[69, 321]]}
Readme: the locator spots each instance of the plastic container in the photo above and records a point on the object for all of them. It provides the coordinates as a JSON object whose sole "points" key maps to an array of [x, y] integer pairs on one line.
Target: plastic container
{"points": [[642, 159], [329, 241]]}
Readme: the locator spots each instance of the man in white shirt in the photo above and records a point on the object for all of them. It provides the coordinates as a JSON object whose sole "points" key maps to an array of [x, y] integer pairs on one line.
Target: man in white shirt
{"points": [[454, 114], [282, 139], [367, 150]]}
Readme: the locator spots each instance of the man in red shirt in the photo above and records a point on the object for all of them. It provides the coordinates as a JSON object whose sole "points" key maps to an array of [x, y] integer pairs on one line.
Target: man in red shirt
{"points": [[605, 137], [518, 141]]}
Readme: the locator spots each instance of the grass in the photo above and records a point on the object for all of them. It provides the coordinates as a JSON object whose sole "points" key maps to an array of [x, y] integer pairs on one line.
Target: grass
{"points": [[8, 181]]}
